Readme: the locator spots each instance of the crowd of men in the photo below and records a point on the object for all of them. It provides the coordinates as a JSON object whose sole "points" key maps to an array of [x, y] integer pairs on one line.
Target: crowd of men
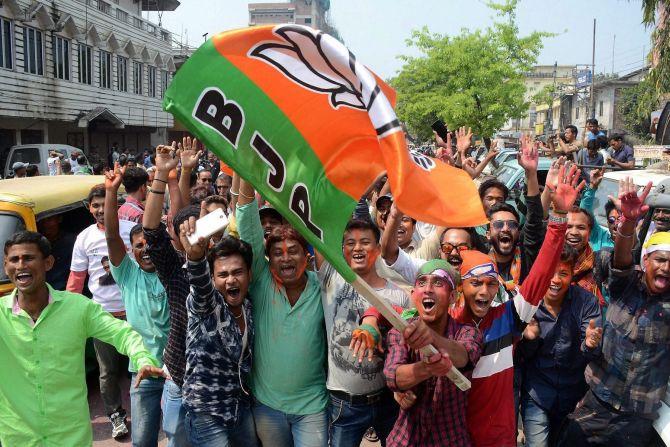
{"points": [[250, 337]]}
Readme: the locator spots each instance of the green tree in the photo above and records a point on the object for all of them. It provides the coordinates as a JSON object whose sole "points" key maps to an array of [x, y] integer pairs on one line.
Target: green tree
{"points": [[472, 79], [636, 104]]}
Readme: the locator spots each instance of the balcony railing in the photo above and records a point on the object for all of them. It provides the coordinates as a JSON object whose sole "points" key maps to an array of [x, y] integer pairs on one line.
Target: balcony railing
{"points": [[126, 17]]}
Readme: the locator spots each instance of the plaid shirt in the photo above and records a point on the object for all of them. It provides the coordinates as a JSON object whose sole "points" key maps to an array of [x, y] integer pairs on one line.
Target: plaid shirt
{"points": [[632, 374], [169, 267], [438, 417]]}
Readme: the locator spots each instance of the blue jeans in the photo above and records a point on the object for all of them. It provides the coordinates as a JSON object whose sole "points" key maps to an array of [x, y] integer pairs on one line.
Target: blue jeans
{"points": [[145, 411], [349, 422], [278, 429], [205, 431], [540, 427], [173, 416]]}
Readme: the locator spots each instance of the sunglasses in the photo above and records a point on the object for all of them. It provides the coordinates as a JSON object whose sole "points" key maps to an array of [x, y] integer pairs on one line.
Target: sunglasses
{"points": [[448, 248], [500, 224], [612, 219]]}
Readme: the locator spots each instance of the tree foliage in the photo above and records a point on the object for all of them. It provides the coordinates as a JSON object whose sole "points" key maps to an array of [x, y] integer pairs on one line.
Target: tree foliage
{"points": [[472, 79], [636, 104]]}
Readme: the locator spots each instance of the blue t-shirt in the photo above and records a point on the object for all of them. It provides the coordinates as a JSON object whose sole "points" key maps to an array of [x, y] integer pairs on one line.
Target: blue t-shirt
{"points": [[146, 304]]}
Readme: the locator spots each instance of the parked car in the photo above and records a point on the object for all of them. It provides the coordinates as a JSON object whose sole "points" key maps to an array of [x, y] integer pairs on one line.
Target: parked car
{"points": [[514, 177], [36, 154], [504, 156], [26, 202], [610, 187]]}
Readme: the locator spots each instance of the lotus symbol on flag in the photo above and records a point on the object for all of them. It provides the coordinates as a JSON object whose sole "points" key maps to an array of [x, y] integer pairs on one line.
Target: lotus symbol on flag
{"points": [[320, 63]]}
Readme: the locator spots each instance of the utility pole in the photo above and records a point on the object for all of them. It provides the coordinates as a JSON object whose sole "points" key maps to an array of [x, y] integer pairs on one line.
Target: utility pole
{"points": [[613, 45], [205, 36], [550, 112], [593, 72]]}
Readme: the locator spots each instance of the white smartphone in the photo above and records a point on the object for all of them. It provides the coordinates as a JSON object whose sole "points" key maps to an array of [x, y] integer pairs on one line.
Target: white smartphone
{"points": [[209, 225]]}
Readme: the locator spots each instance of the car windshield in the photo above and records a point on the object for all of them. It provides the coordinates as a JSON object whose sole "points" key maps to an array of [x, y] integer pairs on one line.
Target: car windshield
{"points": [[9, 224], [505, 174]]}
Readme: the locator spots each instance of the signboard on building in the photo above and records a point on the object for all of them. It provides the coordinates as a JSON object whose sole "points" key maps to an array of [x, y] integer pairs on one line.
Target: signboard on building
{"points": [[583, 78], [653, 152]]}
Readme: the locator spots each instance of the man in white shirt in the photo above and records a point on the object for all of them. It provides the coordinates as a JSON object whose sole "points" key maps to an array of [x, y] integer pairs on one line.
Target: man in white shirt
{"points": [[359, 397], [89, 257]]}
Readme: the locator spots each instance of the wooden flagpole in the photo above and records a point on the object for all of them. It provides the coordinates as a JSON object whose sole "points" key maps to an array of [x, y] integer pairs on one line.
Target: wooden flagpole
{"points": [[390, 314]]}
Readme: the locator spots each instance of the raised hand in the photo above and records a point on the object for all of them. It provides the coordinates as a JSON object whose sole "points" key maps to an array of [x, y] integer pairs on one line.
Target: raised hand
{"points": [[567, 189], [113, 177], [167, 157], [197, 251], [189, 153], [596, 176], [463, 140], [552, 176], [593, 335], [528, 154], [439, 142], [148, 371], [470, 166], [630, 205]]}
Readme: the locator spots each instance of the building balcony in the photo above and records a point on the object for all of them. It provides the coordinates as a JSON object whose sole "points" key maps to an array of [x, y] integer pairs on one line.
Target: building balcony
{"points": [[115, 11]]}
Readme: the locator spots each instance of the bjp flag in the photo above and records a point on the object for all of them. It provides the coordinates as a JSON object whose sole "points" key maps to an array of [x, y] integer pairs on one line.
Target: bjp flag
{"points": [[293, 112]]}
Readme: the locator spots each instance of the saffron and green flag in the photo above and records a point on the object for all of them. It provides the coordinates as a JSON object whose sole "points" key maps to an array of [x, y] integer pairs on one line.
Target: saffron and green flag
{"points": [[293, 112]]}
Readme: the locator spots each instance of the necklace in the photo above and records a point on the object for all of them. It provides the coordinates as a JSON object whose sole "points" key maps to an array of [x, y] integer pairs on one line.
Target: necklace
{"points": [[237, 316]]}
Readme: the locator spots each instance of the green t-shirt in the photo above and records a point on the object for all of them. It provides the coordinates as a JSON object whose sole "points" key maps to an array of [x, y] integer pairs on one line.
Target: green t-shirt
{"points": [[289, 367], [146, 305]]}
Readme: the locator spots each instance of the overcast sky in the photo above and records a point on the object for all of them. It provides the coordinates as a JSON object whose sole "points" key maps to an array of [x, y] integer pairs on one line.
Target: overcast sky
{"points": [[375, 30]]}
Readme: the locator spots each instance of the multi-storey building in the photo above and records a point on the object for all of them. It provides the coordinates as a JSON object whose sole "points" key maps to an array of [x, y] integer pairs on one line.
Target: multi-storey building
{"points": [[87, 73], [314, 13]]}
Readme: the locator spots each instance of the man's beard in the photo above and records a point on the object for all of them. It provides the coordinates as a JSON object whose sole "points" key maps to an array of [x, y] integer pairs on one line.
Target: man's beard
{"points": [[496, 246], [662, 224]]}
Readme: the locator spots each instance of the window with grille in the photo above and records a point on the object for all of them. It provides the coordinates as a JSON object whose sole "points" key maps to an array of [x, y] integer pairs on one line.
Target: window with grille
{"points": [[61, 58], [137, 78], [6, 44], [33, 61], [121, 73], [165, 80], [85, 64], [152, 81], [105, 74]]}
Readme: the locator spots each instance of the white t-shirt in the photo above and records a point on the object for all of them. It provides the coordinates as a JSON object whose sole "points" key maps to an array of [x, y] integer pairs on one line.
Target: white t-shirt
{"points": [[89, 249], [343, 308], [74, 163], [51, 165]]}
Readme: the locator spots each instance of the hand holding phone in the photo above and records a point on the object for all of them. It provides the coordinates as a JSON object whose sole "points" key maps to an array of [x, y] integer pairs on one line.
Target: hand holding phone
{"points": [[208, 225], [440, 129]]}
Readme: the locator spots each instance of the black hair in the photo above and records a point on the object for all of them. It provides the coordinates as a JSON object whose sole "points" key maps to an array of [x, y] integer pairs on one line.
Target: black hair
{"points": [[363, 224], [152, 159], [493, 183], [134, 178], [229, 246], [193, 179], [183, 215], [32, 171], [66, 167], [96, 191], [602, 141], [137, 229], [81, 160], [592, 121], [216, 199], [29, 237], [472, 235], [573, 128], [592, 145], [569, 255], [204, 170], [615, 136], [609, 207], [577, 210], [123, 160], [498, 207]]}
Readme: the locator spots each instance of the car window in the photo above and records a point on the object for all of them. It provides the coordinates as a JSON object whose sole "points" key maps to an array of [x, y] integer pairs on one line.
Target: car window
{"points": [[608, 187], [505, 174], [9, 224], [26, 155]]}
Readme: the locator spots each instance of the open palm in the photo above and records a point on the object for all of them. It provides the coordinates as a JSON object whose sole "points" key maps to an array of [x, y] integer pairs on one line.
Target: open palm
{"points": [[167, 157], [567, 189], [529, 154]]}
